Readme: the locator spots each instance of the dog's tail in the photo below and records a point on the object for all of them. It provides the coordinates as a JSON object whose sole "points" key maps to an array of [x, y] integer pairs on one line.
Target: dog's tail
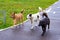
{"points": [[40, 9], [22, 11]]}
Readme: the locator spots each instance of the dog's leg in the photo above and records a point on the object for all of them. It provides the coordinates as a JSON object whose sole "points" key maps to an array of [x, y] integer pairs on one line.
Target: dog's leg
{"points": [[32, 25], [48, 23], [22, 21], [15, 22], [48, 26], [44, 30]]}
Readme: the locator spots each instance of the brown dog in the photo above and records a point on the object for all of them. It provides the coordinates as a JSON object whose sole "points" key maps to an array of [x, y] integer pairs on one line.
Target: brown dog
{"points": [[17, 17]]}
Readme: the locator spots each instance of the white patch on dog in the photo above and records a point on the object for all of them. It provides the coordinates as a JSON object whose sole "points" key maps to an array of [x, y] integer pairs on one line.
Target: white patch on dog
{"points": [[35, 20]]}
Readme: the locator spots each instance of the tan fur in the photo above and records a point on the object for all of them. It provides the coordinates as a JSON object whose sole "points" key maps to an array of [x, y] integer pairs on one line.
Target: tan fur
{"points": [[17, 17]]}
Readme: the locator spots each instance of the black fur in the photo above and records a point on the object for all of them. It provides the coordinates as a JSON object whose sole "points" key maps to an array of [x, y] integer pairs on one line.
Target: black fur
{"points": [[44, 22], [30, 15]]}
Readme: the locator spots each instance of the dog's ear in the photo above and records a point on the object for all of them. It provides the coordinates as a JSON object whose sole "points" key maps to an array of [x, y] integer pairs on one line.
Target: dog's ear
{"points": [[30, 15], [13, 15], [37, 16]]}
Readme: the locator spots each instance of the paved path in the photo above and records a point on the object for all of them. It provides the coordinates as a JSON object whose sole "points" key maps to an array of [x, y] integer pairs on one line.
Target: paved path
{"points": [[24, 32]]}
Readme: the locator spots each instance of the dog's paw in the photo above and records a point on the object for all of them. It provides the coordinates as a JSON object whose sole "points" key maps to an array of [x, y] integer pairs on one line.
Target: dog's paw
{"points": [[22, 24], [32, 27], [42, 34], [12, 28]]}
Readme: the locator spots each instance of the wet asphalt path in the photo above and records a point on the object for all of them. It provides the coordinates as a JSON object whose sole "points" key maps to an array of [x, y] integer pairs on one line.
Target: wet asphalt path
{"points": [[24, 32]]}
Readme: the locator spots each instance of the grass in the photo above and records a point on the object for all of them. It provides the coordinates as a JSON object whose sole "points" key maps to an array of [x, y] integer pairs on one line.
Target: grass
{"points": [[30, 6]]}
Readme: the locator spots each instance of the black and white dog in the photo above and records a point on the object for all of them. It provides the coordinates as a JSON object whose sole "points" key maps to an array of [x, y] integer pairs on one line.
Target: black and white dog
{"points": [[44, 22], [34, 18]]}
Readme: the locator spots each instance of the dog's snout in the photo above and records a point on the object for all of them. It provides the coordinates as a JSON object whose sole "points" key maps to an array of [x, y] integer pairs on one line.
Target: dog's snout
{"points": [[12, 16]]}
